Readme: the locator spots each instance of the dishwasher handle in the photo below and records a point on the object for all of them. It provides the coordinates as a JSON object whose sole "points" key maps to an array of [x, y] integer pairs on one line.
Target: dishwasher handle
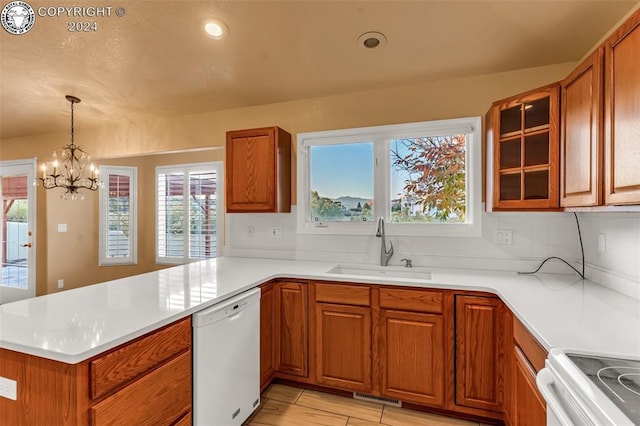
{"points": [[546, 385]]}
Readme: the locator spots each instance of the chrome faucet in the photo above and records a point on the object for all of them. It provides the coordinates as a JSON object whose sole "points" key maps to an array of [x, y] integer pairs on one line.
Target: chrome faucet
{"points": [[384, 254]]}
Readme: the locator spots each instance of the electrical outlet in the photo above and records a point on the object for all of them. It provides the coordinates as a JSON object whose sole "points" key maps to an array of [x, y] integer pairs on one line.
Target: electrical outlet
{"points": [[503, 237], [251, 231], [60, 283], [8, 388], [276, 232], [62, 227]]}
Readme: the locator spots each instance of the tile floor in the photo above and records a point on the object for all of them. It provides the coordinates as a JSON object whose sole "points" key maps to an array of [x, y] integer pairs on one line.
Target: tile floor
{"points": [[283, 405]]}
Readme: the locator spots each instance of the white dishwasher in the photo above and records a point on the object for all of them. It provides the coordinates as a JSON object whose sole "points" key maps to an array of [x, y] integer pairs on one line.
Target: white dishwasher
{"points": [[226, 361]]}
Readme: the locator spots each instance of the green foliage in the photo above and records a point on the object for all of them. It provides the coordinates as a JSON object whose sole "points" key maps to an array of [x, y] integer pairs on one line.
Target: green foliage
{"points": [[437, 183], [18, 211], [326, 208]]}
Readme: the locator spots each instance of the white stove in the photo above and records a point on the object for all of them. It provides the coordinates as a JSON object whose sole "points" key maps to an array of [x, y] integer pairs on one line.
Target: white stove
{"points": [[584, 388]]}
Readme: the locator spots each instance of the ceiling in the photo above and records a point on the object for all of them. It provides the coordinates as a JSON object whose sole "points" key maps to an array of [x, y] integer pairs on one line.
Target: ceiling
{"points": [[156, 59]]}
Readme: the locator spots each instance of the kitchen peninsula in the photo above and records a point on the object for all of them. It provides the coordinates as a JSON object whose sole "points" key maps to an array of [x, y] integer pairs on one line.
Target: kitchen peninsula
{"points": [[75, 327]]}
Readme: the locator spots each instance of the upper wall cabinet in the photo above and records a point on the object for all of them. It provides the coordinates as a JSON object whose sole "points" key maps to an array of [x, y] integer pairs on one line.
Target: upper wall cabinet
{"points": [[523, 139], [622, 114], [581, 134], [258, 171]]}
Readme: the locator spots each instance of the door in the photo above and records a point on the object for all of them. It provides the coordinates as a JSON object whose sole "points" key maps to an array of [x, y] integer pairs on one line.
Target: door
{"points": [[621, 112], [581, 134], [17, 230], [479, 336], [343, 346], [412, 356], [291, 314]]}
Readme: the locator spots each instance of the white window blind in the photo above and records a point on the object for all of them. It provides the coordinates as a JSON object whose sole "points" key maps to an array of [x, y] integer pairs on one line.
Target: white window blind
{"points": [[187, 212], [118, 235]]}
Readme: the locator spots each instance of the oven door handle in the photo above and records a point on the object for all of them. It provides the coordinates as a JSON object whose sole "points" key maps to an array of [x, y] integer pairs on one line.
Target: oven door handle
{"points": [[547, 386]]}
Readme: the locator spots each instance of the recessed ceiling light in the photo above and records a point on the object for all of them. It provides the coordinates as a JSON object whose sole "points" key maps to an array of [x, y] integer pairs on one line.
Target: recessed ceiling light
{"points": [[372, 40], [216, 29]]}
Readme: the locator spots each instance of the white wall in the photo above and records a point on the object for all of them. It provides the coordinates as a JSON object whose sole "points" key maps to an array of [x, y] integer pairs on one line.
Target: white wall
{"points": [[618, 266], [535, 237]]}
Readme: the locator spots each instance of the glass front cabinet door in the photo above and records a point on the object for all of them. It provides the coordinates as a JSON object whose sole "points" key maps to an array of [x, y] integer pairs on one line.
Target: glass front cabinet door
{"points": [[523, 131]]}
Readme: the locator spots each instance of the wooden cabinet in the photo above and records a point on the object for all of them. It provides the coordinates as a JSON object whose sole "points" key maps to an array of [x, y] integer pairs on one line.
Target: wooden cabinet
{"points": [[343, 336], [267, 334], [622, 109], [292, 347], [258, 171], [161, 397], [343, 346], [411, 345], [530, 405], [146, 381], [524, 137], [412, 359], [525, 358], [479, 354], [581, 149]]}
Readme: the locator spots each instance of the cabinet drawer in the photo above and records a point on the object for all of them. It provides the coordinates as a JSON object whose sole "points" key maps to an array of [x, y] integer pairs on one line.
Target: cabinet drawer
{"points": [[343, 294], [123, 365], [159, 398], [411, 300], [531, 349]]}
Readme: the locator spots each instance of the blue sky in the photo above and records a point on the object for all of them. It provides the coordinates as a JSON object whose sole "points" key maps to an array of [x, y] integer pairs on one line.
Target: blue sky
{"points": [[338, 170]]}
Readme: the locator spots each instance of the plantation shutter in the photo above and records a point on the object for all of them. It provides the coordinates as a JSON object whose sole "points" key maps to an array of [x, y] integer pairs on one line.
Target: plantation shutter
{"points": [[186, 213], [117, 215]]}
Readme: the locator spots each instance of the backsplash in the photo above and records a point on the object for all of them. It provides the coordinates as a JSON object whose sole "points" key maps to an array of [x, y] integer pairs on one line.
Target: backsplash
{"points": [[535, 236], [616, 263]]}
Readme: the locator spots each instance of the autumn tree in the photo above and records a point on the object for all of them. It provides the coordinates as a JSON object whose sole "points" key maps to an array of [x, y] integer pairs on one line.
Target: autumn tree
{"points": [[436, 174]]}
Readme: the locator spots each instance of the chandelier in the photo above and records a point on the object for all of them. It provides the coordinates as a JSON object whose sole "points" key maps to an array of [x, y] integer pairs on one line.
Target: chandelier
{"points": [[68, 169]]}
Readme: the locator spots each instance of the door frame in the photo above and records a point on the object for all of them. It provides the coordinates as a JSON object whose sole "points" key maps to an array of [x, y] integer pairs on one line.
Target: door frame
{"points": [[28, 167]]}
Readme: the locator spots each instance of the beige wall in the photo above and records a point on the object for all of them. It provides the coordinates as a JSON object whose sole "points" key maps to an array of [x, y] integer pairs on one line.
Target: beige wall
{"points": [[135, 135], [80, 242]]}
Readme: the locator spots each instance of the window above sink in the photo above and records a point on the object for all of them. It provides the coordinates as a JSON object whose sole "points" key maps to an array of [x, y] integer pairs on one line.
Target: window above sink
{"points": [[422, 178]]}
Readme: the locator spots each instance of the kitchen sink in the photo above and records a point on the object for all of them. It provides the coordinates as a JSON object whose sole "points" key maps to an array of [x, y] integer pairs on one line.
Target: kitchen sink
{"points": [[382, 271]]}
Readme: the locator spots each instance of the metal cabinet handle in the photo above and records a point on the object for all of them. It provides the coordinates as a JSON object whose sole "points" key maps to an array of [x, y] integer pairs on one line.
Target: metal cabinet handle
{"points": [[25, 245]]}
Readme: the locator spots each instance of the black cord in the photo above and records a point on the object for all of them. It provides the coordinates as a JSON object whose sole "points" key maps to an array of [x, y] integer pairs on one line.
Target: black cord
{"points": [[562, 260]]}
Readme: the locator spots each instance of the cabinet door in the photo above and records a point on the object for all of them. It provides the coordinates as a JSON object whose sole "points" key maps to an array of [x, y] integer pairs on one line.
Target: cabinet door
{"points": [[258, 171], [479, 353], [525, 150], [160, 398], [412, 356], [622, 109], [343, 346], [267, 333], [251, 166], [581, 134], [291, 307], [530, 407]]}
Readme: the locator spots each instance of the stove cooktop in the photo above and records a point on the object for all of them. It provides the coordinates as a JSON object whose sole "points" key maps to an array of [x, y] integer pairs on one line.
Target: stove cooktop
{"points": [[619, 379]]}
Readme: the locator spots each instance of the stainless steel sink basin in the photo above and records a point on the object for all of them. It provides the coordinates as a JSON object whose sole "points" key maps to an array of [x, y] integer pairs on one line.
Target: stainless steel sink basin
{"points": [[382, 271]]}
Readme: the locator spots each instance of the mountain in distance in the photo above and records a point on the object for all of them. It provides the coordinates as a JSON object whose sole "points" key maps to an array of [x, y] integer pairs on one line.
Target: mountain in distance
{"points": [[352, 202]]}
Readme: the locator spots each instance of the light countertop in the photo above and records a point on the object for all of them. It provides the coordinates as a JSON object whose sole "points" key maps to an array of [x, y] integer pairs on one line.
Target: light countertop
{"points": [[71, 326]]}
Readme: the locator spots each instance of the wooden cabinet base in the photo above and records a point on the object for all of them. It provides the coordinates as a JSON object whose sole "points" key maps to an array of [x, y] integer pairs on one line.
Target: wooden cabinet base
{"points": [[161, 397], [412, 357], [143, 382]]}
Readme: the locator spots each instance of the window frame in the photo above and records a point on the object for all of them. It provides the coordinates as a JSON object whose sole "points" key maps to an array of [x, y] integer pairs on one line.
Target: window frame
{"points": [[381, 137], [217, 166], [132, 173]]}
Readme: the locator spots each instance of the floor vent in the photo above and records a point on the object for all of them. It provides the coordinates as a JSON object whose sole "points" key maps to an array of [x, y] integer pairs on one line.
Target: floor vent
{"points": [[379, 399]]}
